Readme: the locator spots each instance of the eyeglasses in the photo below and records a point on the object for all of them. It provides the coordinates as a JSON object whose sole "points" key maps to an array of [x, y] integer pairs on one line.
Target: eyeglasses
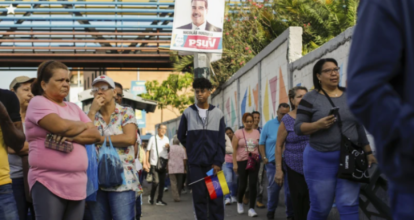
{"points": [[102, 88], [330, 71], [119, 95]]}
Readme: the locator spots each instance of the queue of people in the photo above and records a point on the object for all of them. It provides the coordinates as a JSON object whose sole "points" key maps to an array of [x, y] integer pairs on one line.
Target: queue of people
{"points": [[299, 150], [44, 139]]}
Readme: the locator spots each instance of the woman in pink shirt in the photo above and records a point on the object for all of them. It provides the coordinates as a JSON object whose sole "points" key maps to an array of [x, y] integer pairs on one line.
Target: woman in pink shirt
{"points": [[245, 143], [57, 179]]}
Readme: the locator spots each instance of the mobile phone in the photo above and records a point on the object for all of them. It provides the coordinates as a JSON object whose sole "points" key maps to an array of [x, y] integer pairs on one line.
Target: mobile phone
{"points": [[334, 111]]}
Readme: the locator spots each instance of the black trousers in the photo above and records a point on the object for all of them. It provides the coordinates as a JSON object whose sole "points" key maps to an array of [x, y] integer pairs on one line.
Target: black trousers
{"points": [[299, 194], [204, 207], [158, 181], [247, 176]]}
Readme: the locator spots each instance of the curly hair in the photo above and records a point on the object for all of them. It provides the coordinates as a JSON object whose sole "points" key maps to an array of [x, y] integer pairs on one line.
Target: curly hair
{"points": [[202, 83]]}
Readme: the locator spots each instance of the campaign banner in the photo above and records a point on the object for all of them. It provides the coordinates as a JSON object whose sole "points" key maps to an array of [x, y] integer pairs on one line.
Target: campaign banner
{"points": [[198, 26]]}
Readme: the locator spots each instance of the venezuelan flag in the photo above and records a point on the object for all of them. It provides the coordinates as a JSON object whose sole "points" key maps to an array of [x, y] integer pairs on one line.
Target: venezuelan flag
{"points": [[217, 185]]}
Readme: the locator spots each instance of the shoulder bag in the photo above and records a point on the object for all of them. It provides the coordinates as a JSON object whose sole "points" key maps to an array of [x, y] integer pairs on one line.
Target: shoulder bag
{"points": [[162, 162], [253, 158], [353, 163]]}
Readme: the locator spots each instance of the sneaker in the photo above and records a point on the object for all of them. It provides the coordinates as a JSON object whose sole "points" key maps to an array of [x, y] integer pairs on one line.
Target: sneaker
{"points": [[165, 189], [252, 213], [240, 208], [151, 202], [260, 205], [160, 202], [233, 199], [227, 201], [270, 215]]}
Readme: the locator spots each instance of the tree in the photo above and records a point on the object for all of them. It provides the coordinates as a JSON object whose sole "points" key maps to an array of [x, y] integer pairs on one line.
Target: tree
{"points": [[251, 26], [172, 93]]}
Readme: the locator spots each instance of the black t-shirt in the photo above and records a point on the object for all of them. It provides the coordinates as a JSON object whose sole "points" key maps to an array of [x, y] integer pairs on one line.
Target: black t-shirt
{"points": [[11, 102]]}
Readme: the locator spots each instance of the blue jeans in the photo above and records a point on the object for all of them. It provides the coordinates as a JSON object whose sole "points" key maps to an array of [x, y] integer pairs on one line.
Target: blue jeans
{"points": [[113, 205], [8, 207], [138, 210], [23, 206], [273, 189], [321, 169], [288, 200], [231, 178], [402, 205]]}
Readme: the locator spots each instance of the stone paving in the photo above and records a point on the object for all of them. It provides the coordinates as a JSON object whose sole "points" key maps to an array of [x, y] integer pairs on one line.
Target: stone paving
{"points": [[184, 209]]}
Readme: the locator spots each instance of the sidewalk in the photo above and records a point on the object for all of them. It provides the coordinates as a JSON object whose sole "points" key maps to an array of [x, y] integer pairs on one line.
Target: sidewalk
{"points": [[184, 209]]}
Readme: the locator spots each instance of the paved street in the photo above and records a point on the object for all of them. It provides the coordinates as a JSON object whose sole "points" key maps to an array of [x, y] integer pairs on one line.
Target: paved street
{"points": [[184, 209]]}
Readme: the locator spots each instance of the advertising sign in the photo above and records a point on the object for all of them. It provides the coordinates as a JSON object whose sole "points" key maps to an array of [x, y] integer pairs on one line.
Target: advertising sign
{"points": [[198, 26], [138, 87]]}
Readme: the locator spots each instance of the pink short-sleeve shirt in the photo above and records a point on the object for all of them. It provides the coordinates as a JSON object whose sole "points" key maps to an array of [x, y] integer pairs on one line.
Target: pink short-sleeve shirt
{"points": [[252, 140], [64, 174]]}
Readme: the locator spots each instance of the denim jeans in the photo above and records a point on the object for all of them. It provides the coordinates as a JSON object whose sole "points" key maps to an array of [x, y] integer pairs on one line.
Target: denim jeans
{"points": [[288, 200], [8, 208], [231, 178], [138, 207], [113, 205], [23, 207], [401, 205], [321, 169], [273, 189]]}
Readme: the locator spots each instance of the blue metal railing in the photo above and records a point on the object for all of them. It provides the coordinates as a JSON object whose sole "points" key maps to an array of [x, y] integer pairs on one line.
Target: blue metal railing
{"points": [[87, 3], [54, 26], [54, 10], [88, 18]]}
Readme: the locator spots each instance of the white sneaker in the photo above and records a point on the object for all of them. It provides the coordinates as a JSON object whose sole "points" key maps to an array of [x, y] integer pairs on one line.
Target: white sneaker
{"points": [[233, 199], [252, 213], [227, 201], [240, 208]]}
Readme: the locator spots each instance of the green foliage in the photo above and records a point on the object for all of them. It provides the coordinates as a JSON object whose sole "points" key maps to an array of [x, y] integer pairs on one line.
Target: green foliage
{"points": [[252, 26], [174, 92]]}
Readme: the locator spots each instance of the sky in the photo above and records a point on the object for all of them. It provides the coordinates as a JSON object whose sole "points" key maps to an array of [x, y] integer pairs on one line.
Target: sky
{"points": [[6, 77]]}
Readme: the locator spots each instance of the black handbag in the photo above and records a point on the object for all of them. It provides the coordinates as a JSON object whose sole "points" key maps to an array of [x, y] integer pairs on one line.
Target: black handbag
{"points": [[353, 163], [162, 162]]}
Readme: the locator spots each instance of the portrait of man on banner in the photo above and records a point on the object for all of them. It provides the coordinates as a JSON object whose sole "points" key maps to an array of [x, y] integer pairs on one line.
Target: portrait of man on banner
{"points": [[199, 12]]}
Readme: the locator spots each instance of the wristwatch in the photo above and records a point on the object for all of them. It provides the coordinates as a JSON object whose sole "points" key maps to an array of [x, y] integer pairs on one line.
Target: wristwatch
{"points": [[265, 158], [368, 153]]}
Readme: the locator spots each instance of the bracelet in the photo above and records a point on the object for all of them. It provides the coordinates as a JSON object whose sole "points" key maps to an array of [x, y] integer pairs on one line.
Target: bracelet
{"points": [[368, 153]]}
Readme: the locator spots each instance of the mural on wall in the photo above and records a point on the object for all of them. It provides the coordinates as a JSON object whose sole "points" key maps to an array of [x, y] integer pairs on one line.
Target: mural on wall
{"points": [[250, 100], [270, 111], [230, 106]]}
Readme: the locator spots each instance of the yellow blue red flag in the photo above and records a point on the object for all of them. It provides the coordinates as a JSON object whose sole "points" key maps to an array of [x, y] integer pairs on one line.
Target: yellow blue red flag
{"points": [[217, 185]]}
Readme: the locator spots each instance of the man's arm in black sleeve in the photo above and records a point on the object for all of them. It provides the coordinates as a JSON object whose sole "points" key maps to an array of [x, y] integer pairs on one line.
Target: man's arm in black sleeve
{"points": [[182, 131]]}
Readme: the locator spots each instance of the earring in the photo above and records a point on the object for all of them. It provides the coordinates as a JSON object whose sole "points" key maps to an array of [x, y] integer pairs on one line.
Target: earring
{"points": [[319, 82]]}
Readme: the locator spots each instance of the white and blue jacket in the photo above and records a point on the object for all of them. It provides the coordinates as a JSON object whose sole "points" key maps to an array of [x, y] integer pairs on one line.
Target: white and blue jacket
{"points": [[204, 142]]}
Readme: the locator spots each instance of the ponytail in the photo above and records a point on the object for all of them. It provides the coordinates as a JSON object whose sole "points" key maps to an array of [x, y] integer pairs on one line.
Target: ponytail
{"points": [[36, 87]]}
